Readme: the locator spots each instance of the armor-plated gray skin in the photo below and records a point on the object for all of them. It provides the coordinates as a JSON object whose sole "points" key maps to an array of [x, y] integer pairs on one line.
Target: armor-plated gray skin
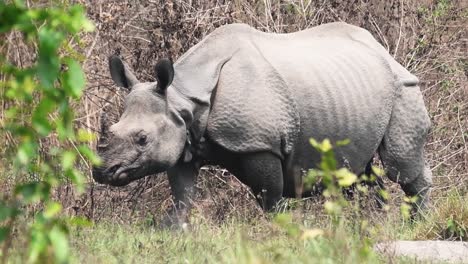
{"points": [[250, 101]]}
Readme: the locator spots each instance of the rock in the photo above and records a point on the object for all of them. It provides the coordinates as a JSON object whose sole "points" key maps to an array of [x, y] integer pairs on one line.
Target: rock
{"points": [[433, 251]]}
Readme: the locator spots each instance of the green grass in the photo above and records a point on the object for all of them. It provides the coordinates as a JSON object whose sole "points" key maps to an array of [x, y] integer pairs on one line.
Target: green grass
{"points": [[232, 242], [447, 221], [274, 240], [285, 238]]}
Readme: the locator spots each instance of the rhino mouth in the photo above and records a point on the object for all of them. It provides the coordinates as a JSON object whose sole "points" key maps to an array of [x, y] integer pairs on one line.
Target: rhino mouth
{"points": [[117, 176]]}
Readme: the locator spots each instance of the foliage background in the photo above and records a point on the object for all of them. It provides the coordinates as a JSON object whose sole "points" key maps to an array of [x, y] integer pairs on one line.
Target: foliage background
{"points": [[429, 37]]}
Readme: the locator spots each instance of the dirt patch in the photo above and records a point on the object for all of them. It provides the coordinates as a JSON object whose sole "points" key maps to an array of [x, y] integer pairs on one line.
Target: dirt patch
{"points": [[447, 251]]}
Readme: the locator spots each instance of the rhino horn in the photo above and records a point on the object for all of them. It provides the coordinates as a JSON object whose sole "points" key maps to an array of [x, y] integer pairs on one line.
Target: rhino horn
{"points": [[104, 131]]}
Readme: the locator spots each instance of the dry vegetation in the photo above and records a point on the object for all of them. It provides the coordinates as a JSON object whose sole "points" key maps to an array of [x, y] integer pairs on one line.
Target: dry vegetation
{"points": [[428, 37]]}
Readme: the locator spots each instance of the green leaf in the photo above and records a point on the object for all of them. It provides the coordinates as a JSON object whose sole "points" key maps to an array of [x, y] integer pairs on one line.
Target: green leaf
{"points": [[26, 152], [52, 209], [378, 171], [10, 16], [65, 122], [326, 145], [11, 112], [89, 154], [87, 25], [85, 136], [21, 86], [40, 122], [48, 63], [77, 178], [38, 242], [345, 177], [4, 232], [68, 160], [41, 125], [33, 191], [411, 199], [405, 210], [33, 93], [7, 212], [362, 189], [59, 240], [74, 79], [79, 20], [343, 142], [384, 194], [314, 143]]}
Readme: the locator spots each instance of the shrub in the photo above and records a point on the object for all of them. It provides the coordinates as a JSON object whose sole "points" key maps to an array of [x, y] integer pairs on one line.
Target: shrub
{"points": [[38, 108]]}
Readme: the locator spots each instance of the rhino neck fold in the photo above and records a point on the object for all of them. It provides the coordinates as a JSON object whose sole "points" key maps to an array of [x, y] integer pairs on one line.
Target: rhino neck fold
{"points": [[196, 76]]}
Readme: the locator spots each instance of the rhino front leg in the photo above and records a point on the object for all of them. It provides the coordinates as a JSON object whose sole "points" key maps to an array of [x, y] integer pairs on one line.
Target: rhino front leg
{"points": [[182, 181], [263, 173]]}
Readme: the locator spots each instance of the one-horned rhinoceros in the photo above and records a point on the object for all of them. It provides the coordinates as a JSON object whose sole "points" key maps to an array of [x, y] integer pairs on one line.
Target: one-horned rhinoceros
{"points": [[250, 101]]}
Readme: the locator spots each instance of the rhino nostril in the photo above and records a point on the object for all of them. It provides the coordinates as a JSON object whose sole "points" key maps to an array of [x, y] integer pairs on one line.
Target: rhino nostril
{"points": [[113, 169], [102, 146]]}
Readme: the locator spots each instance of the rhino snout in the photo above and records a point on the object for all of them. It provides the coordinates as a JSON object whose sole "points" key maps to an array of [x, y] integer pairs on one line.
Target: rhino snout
{"points": [[98, 175], [107, 176], [116, 174]]}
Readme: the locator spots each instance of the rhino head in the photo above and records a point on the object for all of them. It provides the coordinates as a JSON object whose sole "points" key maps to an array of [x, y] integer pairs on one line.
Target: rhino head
{"points": [[149, 137]]}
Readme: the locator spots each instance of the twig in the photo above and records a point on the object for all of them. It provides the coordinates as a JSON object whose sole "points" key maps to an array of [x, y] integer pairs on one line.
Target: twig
{"points": [[400, 29], [91, 48]]}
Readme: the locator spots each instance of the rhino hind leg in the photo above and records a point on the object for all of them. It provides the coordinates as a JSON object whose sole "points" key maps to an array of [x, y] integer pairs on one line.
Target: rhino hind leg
{"points": [[402, 148], [262, 172]]}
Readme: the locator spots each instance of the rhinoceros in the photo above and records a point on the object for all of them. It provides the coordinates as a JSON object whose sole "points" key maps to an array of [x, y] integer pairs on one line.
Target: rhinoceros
{"points": [[250, 101]]}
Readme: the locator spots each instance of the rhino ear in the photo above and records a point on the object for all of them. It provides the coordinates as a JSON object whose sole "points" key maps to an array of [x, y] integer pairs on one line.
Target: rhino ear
{"points": [[121, 74], [164, 74]]}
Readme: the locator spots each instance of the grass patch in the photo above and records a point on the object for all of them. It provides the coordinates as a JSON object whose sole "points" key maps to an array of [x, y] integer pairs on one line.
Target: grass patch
{"points": [[447, 221], [233, 242], [284, 238], [295, 237]]}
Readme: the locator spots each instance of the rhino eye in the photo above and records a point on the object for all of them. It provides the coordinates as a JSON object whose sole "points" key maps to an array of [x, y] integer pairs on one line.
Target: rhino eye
{"points": [[142, 140]]}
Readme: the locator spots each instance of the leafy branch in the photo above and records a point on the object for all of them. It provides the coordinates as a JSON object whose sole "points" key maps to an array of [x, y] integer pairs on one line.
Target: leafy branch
{"points": [[38, 101]]}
